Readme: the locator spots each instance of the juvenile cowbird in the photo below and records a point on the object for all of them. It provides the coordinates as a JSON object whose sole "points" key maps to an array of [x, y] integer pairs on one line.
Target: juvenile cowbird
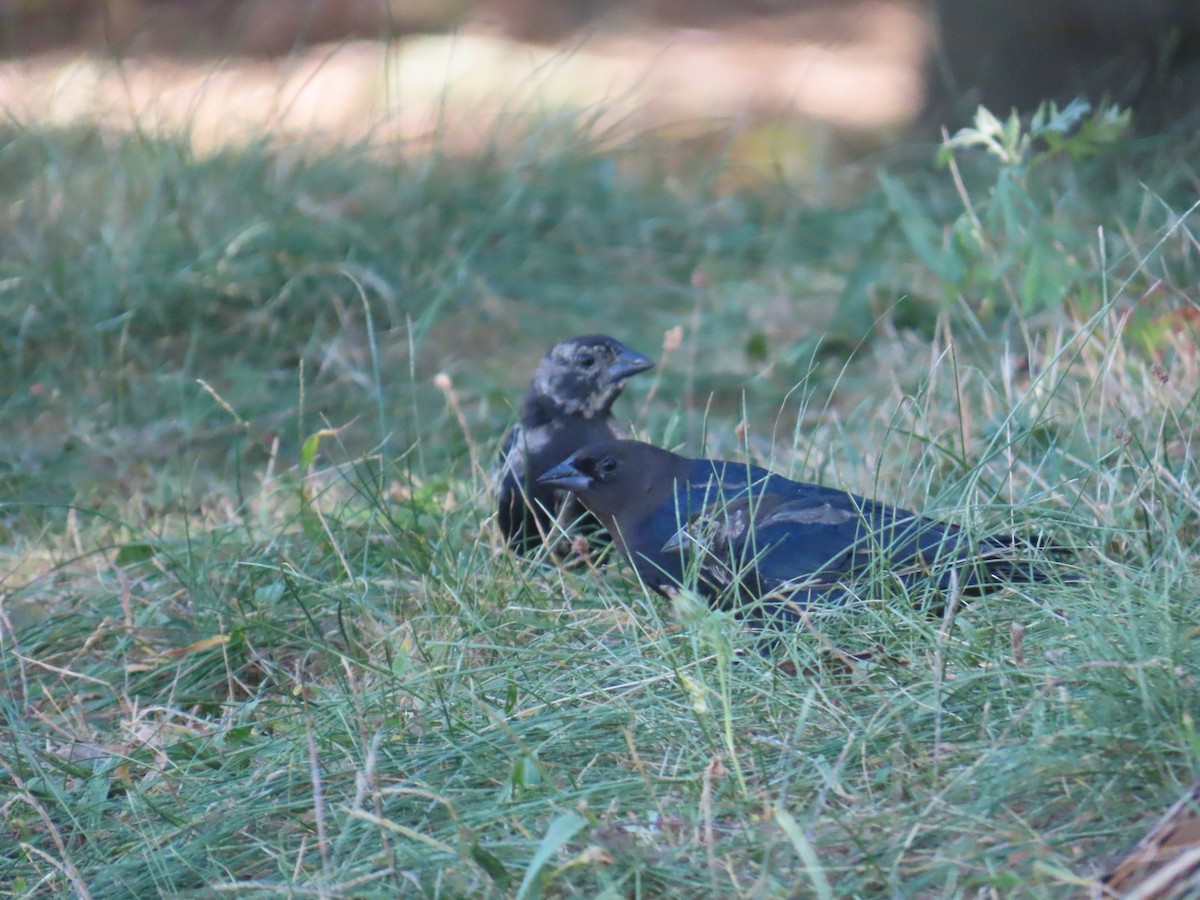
{"points": [[568, 405], [748, 535]]}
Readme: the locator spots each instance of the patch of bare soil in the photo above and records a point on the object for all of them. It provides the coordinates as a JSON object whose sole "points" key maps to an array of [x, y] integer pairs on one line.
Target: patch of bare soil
{"points": [[855, 66]]}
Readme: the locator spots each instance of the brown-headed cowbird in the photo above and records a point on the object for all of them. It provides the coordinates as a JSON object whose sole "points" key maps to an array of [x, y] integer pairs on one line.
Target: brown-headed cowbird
{"points": [[747, 535], [568, 405]]}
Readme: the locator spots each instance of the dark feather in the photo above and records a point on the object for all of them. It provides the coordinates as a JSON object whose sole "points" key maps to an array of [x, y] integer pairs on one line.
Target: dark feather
{"points": [[751, 535], [568, 405]]}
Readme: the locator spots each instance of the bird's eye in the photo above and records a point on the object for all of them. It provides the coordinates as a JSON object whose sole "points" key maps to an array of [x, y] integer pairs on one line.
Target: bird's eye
{"points": [[586, 360], [608, 465]]}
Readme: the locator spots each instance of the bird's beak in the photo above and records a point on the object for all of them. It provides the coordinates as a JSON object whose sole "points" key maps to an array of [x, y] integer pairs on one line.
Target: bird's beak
{"points": [[680, 540], [567, 477], [627, 363]]}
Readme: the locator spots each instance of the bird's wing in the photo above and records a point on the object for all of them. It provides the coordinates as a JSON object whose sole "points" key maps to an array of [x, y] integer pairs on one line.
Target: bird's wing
{"points": [[507, 476], [510, 459], [790, 534]]}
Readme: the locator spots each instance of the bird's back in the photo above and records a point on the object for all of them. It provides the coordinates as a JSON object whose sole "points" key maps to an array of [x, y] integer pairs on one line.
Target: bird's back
{"points": [[759, 533]]}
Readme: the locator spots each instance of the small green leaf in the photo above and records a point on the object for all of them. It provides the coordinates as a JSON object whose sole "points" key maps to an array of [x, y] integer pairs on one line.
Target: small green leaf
{"points": [[757, 349], [270, 593], [491, 865], [135, 552], [528, 773], [1060, 121], [95, 792], [239, 736], [308, 451]]}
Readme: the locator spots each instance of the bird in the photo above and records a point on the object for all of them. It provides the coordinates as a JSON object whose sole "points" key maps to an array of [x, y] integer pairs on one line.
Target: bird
{"points": [[749, 539], [567, 406]]}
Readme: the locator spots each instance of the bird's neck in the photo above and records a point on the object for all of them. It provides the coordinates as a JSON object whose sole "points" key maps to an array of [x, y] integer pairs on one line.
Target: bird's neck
{"points": [[654, 491], [538, 410]]}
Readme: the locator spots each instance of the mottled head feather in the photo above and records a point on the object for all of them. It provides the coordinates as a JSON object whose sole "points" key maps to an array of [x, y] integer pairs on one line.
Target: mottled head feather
{"points": [[583, 376]]}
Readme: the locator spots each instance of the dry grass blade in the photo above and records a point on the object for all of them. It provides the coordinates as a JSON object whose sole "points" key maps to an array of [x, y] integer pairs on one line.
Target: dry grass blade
{"points": [[1165, 864]]}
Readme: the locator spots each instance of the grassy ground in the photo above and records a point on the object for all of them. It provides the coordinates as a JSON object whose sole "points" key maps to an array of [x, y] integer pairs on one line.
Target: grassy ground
{"points": [[259, 635]]}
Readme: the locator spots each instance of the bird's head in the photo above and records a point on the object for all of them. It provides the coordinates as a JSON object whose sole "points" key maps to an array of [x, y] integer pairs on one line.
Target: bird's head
{"points": [[619, 480], [582, 376]]}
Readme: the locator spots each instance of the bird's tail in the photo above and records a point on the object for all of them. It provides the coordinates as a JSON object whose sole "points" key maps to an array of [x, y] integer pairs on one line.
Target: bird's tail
{"points": [[1026, 559]]}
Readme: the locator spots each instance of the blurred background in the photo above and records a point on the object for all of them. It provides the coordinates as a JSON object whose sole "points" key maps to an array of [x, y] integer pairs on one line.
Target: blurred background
{"points": [[274, 276], [354, 69]]}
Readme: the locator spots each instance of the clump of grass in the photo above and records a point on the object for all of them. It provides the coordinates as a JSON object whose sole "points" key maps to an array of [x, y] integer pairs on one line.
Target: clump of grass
{"points": [[260, 636]]}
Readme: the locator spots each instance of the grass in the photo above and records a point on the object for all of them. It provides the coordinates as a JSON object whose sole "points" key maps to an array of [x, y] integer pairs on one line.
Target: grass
{"points": [[259, 634]]}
